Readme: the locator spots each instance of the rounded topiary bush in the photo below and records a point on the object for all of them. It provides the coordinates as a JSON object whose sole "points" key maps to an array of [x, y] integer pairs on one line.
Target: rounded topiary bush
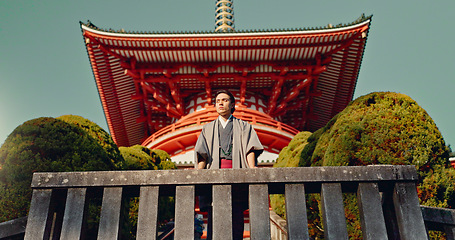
{"points": [[380, 128], [99, 134], [138, 157], [290, 155], [43, 145]]}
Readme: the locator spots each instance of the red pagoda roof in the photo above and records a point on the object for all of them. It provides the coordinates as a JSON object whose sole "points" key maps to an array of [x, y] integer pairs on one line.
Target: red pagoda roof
{"points": [[306, 76]]}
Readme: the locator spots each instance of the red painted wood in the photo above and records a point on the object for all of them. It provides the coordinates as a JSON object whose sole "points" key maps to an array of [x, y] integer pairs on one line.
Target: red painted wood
{"points": [[146, 81]]}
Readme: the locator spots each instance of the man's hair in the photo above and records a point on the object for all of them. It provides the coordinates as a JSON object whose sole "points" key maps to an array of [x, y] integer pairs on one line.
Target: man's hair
{"points": [[231, 97]]}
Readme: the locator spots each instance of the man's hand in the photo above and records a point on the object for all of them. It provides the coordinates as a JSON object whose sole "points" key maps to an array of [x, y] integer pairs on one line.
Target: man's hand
{"points": [[201, 164], [251, 160]]}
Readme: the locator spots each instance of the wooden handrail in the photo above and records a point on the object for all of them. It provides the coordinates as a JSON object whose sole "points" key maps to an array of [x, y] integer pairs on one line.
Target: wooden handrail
{"points": [[278, 227], [63, 195], [13, 229], [440, 219]]}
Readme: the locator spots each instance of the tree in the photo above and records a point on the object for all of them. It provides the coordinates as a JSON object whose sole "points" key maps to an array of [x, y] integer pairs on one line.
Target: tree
{"points": [[381, 128], [46, 145]]}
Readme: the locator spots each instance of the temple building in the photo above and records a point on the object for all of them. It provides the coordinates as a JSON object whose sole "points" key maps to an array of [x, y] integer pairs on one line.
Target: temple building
{"points": [[157, 88]]}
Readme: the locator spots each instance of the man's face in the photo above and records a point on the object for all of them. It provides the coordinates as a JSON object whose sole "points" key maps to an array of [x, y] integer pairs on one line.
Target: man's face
{"points": [[223, 104]]}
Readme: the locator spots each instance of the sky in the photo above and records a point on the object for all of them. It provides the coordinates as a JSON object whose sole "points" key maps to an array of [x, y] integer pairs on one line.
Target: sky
{"points": [[45, 70]]}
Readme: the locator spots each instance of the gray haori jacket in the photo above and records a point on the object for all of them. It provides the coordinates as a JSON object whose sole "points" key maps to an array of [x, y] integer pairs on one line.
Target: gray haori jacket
{"points": [[244, 141]]}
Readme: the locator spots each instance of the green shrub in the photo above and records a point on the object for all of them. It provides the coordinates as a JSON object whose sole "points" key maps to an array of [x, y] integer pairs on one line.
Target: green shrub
{"points": [[99, 134], [71, 143], [43, 145], [381, 128], [138, 157], [289, 157]]}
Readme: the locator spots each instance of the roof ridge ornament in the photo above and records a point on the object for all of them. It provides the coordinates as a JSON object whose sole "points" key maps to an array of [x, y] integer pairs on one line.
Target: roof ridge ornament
{"points": [[224, 16]]}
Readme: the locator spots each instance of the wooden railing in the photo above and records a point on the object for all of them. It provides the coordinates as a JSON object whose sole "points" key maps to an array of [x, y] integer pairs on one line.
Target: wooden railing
{"points": [[277, 227], [436, 219], [202, 117], [13, 229], [440, 219], [387, 197]]}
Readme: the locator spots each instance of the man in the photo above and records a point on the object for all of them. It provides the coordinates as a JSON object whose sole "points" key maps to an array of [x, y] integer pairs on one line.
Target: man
{"points": [[227, 142], [239, 141]]}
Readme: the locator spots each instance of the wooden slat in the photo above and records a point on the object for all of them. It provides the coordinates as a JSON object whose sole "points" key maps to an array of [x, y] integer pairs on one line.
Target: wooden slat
{"points": [[74, 213], [371, 214], [110, 214], [148, 213], [450, 232], [408, 213], [222, 212], [333, 212], [259, 212], [296, 214], [39, 216], [184, 212]]}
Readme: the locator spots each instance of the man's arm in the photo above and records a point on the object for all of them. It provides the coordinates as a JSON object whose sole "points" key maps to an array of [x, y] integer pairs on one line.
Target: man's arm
{"points": [[251, 159], [201, 151]]}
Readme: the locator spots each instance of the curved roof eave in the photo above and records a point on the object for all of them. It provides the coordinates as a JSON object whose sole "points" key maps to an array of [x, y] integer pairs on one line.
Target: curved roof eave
{"points": [[361, 21], [121, 116]]}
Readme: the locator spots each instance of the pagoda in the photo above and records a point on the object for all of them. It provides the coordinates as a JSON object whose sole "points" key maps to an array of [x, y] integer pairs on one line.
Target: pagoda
{"points": [[157, 88]]}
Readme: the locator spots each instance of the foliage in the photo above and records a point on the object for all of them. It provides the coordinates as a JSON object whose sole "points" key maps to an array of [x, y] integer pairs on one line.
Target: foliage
{"points": [[437, 188], [99, 134], [386, 128], [71, 143], [138, 157], [277, 204], [14, 200], [381, 128], [48, 145], [288, 157], [307, 152]]}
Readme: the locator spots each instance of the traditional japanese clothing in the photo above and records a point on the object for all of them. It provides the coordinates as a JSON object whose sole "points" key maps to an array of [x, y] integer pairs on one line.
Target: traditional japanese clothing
{"points": [[227, 142], [244, 140]]}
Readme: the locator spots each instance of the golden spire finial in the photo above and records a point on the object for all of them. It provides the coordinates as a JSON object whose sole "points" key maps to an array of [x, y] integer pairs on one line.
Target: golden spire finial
{"points": [[224, 16]]}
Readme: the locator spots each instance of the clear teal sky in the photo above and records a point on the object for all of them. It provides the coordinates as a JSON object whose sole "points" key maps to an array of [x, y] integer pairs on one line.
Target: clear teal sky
{"points": [[45, 71]]}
